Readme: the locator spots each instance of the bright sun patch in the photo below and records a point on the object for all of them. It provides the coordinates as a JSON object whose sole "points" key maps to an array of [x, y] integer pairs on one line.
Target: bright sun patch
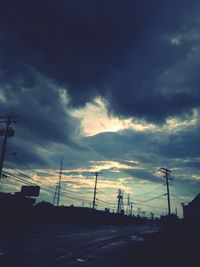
{"points": [[95, 119]]}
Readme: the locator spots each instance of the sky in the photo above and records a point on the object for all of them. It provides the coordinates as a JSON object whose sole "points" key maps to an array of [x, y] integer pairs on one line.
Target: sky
{"points": [[111, 85]]}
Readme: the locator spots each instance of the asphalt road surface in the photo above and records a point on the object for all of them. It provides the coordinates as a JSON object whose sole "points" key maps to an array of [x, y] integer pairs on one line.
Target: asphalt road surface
{"points": [[67, 245]]}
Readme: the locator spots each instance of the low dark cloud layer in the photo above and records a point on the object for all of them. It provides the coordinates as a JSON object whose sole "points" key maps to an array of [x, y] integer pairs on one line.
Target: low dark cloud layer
{"points": [[139, 55]]}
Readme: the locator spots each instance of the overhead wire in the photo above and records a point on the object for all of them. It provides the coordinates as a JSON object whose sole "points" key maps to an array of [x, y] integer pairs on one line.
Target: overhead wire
{"points": [[25, 164], [151, 191], [52, 142], [77, 198], [64, 191], [151, 199], [69, 196], [45, 188], [8, 174], [39, 182]]}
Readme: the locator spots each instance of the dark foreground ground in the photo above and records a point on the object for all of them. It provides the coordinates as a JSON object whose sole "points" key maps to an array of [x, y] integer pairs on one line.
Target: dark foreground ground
{"points": [[97, 246], [61, 245], [173, 246]]}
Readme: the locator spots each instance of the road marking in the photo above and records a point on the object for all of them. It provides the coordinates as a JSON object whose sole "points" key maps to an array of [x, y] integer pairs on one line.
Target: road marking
{"points": [[63, 257]]}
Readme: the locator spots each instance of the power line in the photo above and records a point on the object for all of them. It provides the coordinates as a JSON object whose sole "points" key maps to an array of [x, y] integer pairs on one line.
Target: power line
{"points": [[21, 173], [52, 142], [45, 188], [16, 177], [24, 163], [150, 199], [76, 198], [33, 179], [146, 193], [106, 202], [95, 189]]}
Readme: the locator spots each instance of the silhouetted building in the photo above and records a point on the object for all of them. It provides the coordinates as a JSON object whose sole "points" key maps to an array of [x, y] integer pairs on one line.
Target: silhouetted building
{"points": [[191, 211], [44, 205], [18, 207], [16, 200]]}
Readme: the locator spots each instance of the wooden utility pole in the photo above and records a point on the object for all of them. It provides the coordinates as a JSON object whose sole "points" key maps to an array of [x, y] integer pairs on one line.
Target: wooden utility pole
{"points": [[95, 188], [167, 177], [7, 132]]}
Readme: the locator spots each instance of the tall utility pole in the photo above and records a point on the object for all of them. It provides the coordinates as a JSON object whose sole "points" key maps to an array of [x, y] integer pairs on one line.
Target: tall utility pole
{"points": [[167, 177], [7, 132], [56, 197], [120, 201], [95, 188]]}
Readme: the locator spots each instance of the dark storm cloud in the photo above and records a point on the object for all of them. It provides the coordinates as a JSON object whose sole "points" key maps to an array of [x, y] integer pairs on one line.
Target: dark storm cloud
{"points": [[25, 152], [41, 119], [39, 108], [182, 144], [120, 50]]}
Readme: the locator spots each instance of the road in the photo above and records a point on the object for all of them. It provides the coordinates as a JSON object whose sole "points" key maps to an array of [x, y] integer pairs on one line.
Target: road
{"points": [[67, 245]]}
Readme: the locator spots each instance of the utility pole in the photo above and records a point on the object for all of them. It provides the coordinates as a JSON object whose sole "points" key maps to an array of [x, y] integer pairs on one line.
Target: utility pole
{"points": [[95, 188], [167, 177], [7, 132], [56, 198]]}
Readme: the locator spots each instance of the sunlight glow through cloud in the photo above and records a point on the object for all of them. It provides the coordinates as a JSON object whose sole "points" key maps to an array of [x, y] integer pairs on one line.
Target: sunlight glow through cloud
{"points": [[113, 166], [95, 119]]}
